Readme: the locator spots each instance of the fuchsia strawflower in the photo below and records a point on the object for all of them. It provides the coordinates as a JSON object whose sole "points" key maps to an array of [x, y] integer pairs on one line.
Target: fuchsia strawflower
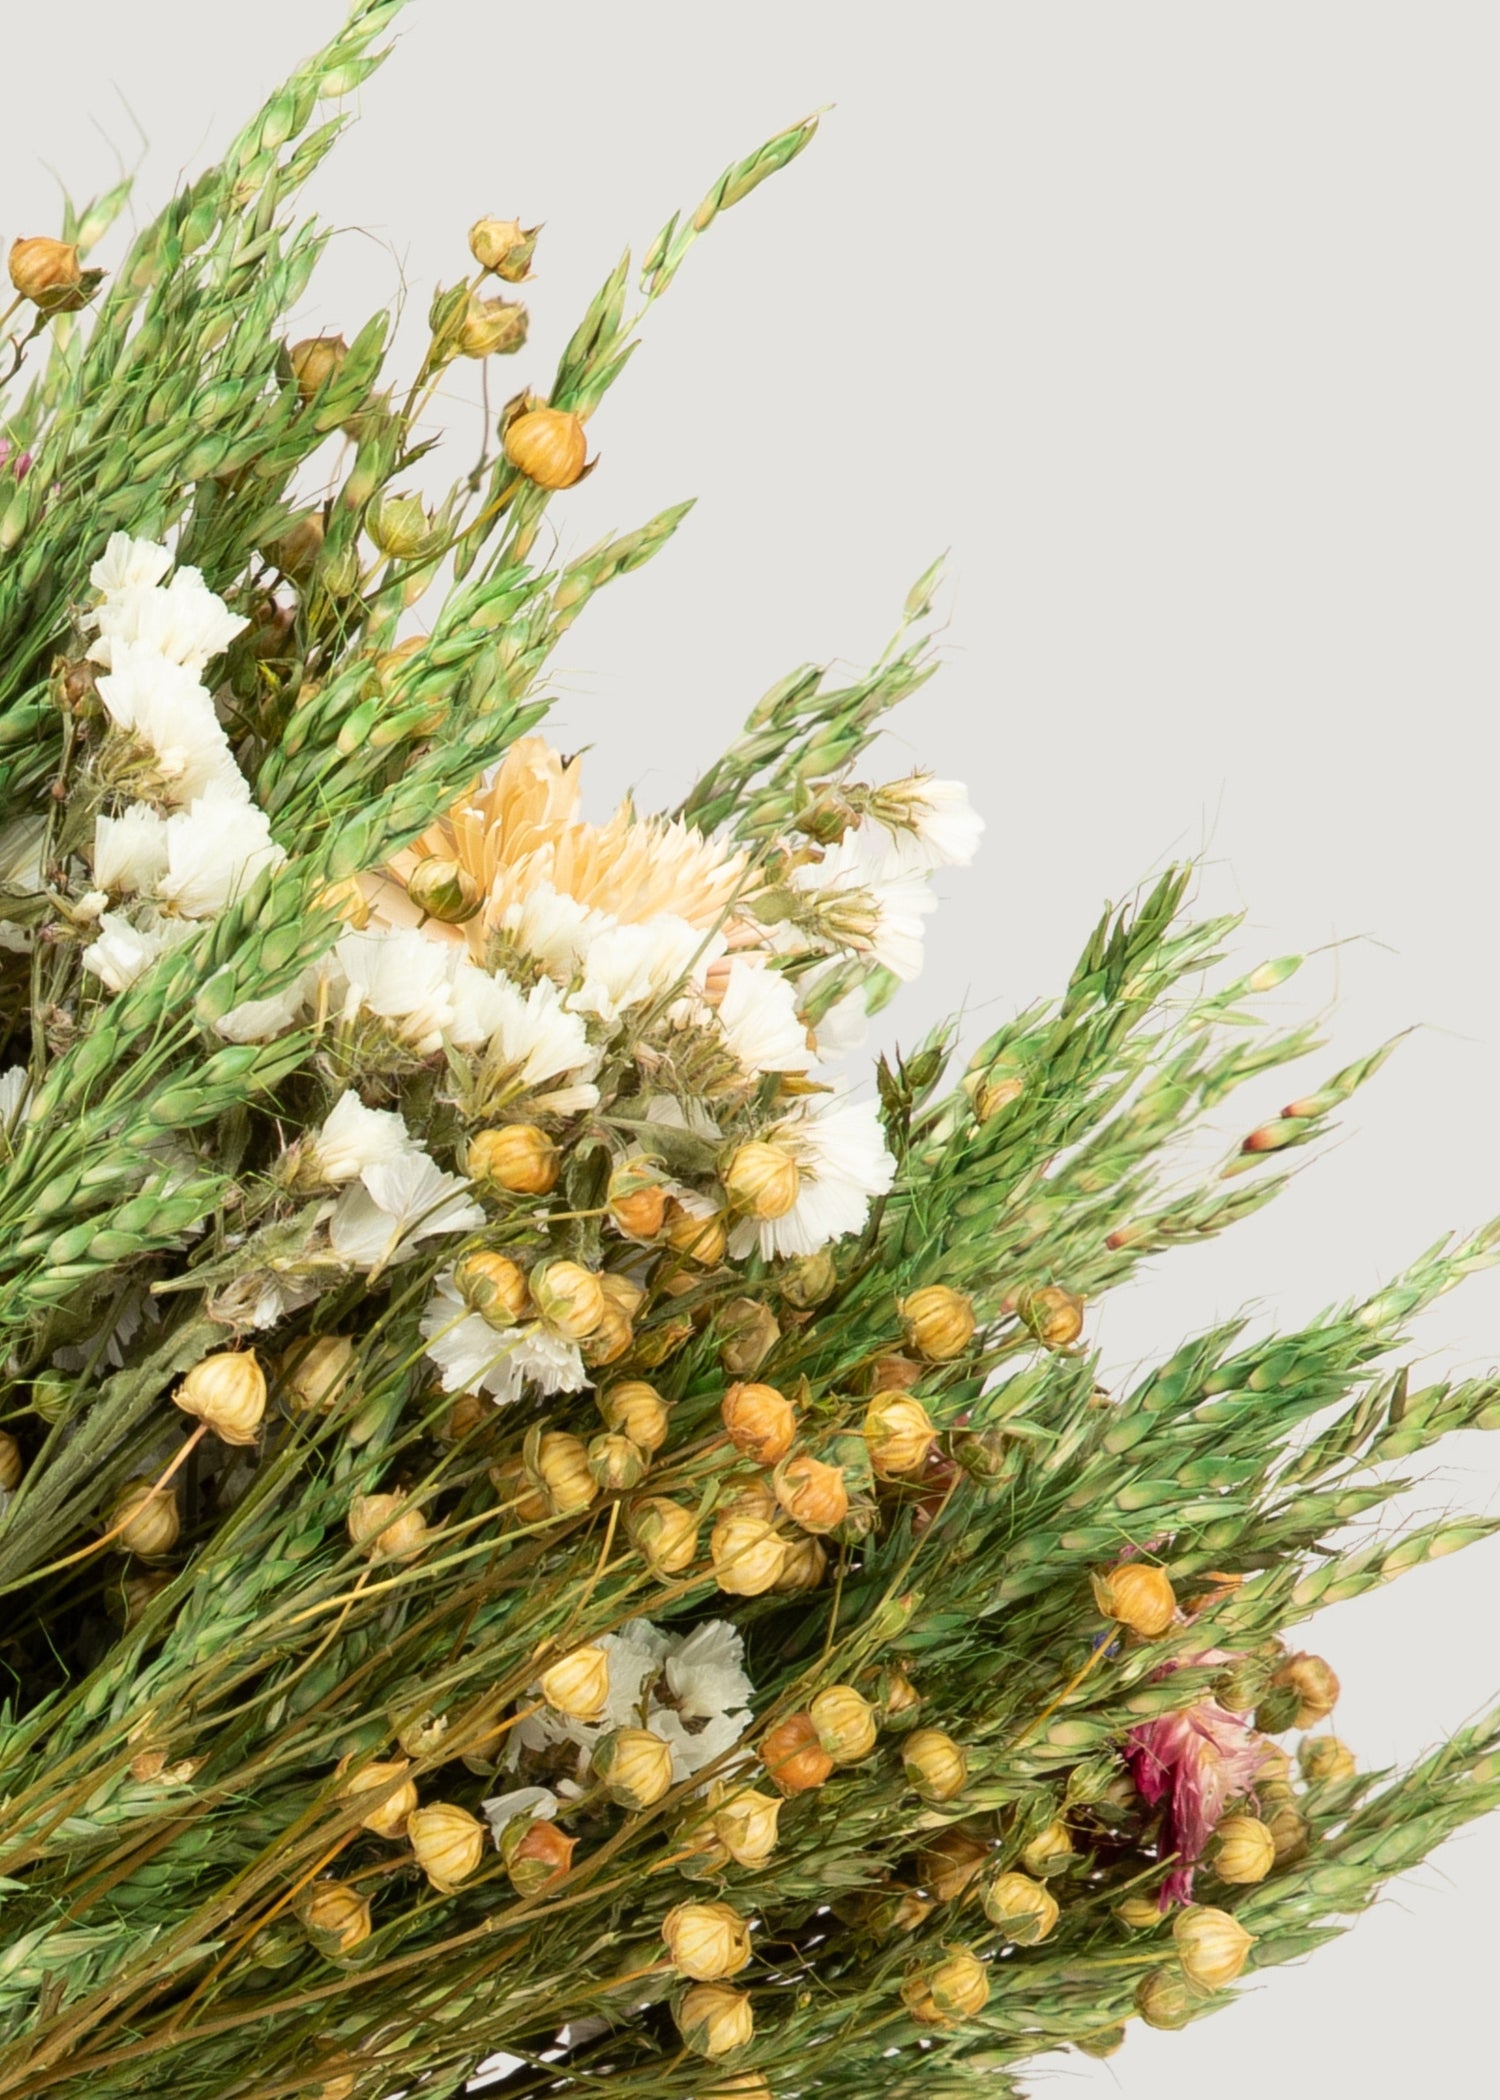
{"points": [[1196, 1761]]}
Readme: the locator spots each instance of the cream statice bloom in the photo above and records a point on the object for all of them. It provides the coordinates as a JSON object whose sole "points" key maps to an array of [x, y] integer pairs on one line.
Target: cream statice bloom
{"points": [[534, 1039], [15, 1085], [399, 978], [644, 960], [354, 1137], [920, 823], [757, 1017], [865, 912], [182, 621], [215, 849], [165, 706], [690, 1689], [257, 1020], [841, 1157], [128, 564], [475, 1357], [130, 851], [395, 1205], [122, 951], [554, 930]]}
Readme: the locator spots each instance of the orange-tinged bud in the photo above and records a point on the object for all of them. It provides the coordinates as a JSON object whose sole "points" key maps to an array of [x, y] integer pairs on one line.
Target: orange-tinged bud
{"points": [[812, 1494], [793, 1756], [518, 1158], [548, 446], [227, 1391], [760, 1421], [939, 1322], [935, 1765], [706, 1941], [898, 1433], [448, 1843], [1138, 1595]]}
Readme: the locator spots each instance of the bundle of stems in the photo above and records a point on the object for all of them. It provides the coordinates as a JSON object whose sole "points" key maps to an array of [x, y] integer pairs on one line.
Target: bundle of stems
{"points": [[538, 1531]]}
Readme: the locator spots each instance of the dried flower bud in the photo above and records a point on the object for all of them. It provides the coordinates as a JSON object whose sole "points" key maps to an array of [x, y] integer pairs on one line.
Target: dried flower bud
{"points": [[504, 247], [228, 1392], [1053, 1315], [443, 889], [700, 1240], [297, 551], [492, 327], [899, 1434], [316, 361], [634, 1766], [1211, 1945], [812, 1494], [1288, 1831], [144, 1519], [577, 1685], [1324, 1758], [1166, 1999], [313, 1372], [400, 528], [750, 1332], [387, 1524], [518, 1494], [810, 1280], [335, 1917], [939, 1322], [1315, 1684], [560, 1471], [1050, 1851], [494, 1286], [953, 1989], [706, 1941], [762, 1180], [1140, 1913], [748, 1554], [665, 1535], [11, 1468], [637, 1410], [548, 446], [536, 1854], [637, 1200], [895, 1374], [898, 1701], [386, 1816], [615, 1463], [760, 1422], [610, 1340], [805, 1566], [1101, 2041], [950, 1861], [49, 274], [793, 1757], [990, 1092], [1024, 1910], [714, 2020], [845, 1722], [1245, 1851], [517, 1157], [935, 1765], [745, 1826], [448, 1843], [569, 1298], [1138, 1595]]}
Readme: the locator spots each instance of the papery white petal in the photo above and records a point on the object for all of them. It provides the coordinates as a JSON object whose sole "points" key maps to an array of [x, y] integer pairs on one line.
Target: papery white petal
{"points": [[127, 563], [758, 1017], [354, 1137], [536, 1803], [840, 1152], [130, 851], [122, 951], [216, 847], [401, 978]]}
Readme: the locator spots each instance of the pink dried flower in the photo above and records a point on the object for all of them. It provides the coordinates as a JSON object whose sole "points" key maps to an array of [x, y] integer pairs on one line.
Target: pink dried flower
{"points": [[1196, 1761]]}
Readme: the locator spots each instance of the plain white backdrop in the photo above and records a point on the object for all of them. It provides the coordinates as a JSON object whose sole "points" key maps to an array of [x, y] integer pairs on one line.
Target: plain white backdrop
{"points": [[1178, 326]]}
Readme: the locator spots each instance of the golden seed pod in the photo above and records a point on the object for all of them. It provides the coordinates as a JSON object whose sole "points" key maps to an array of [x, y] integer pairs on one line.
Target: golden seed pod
{"points": [[895, 1374], [748, 1554], [1315, 1684], [548, 445], [494, 1286], [503, 246], [634, 1766], [625, 1297], [131, 1598], [492, 327], [517, 1492], [1050, 1851], [443, 889], [610, 1340], [1166, 1999], [386, 1817], [812, 1494], [793, 1756], [387, 1524], [1245, 1851], [227, 1391], [1211, 1945], [635, 1409], [536, 1854], [707, 1941], [809, 1280], [517, 1157], [1054, 1316], [615, 1463], [665, 1535], [11, 1468], [760, 1421], [762, 1180], [144, 1519], [935, 1765], [1024, 1910], [714, 2020], [805, 1566], [898, 1434], [746, 1826], [561, 1472], [636, 1200], [400, 527], [313, 1371], [1140, 1913], [950, 1861], [701, 1240], [1288, 1831], [750, 1497], [1101, 2041], [751, 1331], [48, 273], [955, 1988], [845, 1722], [569, 1297], [1324, 1757], [448, 1843], [315, 361], [1138, 1595], [939, 1322], [577, 1685], [898, 1702], [335, 1917]]}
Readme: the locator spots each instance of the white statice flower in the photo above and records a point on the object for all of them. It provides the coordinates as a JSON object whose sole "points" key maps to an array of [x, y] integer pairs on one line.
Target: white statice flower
{"points": [[475, 1357], [866, 912], [130, 851], [536, 1803], [918, 823], [384, 1216], [216, 847], [845, 1026], [354, 1137], [165, 705], [128, 564], [183, 621], [757, 1016], [122, 952], [552, 928], [15, 1085], [534, 1039], [842, 1160], [643, 960], [258, 1020], [400, 978]]}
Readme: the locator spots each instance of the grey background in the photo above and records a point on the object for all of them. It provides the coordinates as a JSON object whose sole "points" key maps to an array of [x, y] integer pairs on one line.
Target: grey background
{"points": [[1178, 325]]}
